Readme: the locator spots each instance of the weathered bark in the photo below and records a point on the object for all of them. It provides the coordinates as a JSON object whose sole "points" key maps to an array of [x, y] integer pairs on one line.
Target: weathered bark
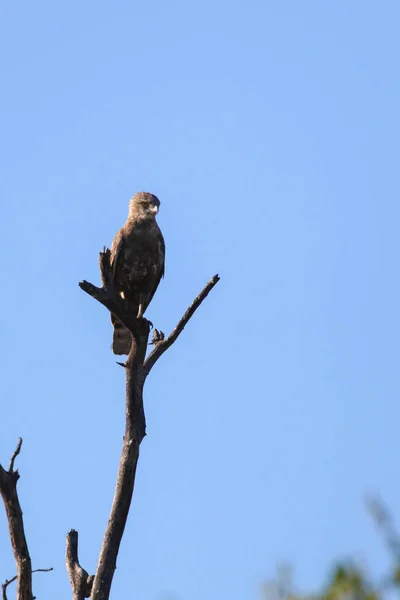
{"points": [[135, 430], [137, 369], [81, 582], [8, 490]]}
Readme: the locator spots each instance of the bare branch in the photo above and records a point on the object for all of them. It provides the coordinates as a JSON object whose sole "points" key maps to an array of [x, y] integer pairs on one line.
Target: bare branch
{"points": [[5, 585], [136, 370], [81, 582], [14, 456], [8, 491], [107, 295], [163, 344], [7, 582], [43, 570], [135, 430]]}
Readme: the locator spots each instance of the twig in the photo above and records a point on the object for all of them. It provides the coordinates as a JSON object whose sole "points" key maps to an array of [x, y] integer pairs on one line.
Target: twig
{"points": [[8, 491], [14, 456], [163, 345], [43, 570], [81, 582], [7, 582], [5, 585]]}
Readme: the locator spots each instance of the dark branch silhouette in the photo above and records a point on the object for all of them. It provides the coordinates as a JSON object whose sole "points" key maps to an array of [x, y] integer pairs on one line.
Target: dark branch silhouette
{"points": [[162, 344], [14, 456], [137, 368], [7, 582], [8, 490]]}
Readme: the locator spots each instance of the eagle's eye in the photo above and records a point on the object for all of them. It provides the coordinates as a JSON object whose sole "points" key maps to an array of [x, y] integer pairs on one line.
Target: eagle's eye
{"points": [[144, 204]]}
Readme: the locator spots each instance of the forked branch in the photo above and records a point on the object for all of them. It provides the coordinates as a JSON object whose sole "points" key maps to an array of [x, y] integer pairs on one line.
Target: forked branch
{"points": [[163, 344], [8, 490], [137, 368]]}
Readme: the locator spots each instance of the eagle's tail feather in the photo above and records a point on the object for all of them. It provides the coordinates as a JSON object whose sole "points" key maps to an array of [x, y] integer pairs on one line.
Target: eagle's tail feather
{"points": [[122, 339]]}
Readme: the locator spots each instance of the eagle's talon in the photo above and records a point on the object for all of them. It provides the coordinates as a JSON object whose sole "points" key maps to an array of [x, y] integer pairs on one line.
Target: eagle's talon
{"points": [[149, 323]]}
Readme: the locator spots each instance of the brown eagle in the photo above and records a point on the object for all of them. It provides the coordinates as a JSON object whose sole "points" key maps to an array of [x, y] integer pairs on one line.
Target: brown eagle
{"points": [[137, 261]]}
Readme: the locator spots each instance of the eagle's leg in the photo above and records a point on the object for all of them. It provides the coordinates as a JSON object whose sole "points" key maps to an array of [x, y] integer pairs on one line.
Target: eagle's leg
{"points": [[143, 302]]}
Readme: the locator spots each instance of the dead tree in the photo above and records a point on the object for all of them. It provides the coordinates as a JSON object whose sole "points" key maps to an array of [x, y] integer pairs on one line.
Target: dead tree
{"points": [[137, 368], [8, 491]]}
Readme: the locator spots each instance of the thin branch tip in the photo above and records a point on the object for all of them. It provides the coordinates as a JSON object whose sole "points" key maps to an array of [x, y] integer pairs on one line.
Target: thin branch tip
{"points": [[5, 585], [161, 345], [43, 570], [7, 582], [14, 455]]}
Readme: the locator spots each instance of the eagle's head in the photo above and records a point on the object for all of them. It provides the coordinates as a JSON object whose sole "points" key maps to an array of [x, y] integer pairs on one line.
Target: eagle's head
{"points": [[143, 206]]}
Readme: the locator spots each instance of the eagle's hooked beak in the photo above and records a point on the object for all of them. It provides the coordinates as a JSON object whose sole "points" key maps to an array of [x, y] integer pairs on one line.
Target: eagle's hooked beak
{"points": [[154, 209]]}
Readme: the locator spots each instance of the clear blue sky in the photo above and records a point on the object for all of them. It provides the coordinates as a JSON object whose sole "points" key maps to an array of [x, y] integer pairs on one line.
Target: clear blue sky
{"points": [[270, 132]]}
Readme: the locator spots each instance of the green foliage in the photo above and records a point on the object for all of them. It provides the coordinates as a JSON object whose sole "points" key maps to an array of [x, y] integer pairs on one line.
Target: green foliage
{"points": [[348, 581]]}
